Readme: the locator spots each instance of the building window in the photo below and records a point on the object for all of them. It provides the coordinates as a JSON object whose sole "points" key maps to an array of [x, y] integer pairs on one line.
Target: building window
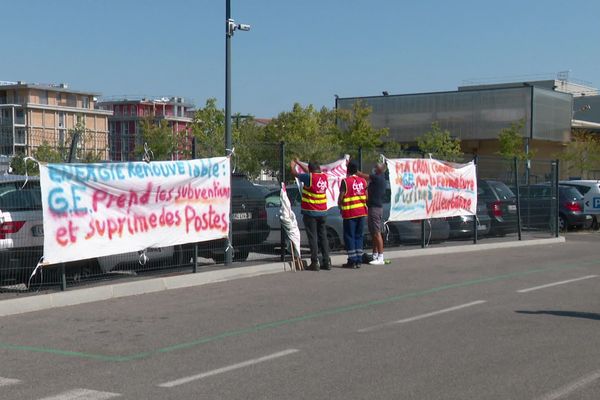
{"points": [[58, 98], [85, 102], [19, 116], [134, 110], [71, 100], [44, 97], [20, 137], [61, 119]]}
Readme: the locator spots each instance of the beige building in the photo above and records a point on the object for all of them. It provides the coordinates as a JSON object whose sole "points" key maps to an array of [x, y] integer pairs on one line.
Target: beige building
{"points": [[32, 114]]}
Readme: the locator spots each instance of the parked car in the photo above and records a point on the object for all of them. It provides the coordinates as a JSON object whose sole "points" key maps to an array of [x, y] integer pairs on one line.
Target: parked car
{"points": [[21, 227], [590, 189], [537, 207], [335, 229], [404, 232], [501, 204], [462, 226]]}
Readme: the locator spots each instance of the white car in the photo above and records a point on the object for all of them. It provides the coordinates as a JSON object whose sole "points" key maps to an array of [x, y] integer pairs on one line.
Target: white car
{"points": [[590, 189], [21, 228]]}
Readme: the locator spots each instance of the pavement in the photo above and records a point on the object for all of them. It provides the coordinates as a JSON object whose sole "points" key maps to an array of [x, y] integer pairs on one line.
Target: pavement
{"points": [[498, 323], [107, 290]]}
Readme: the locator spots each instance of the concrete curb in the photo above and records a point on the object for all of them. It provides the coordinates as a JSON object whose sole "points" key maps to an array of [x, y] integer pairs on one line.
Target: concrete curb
{"points": [[106, 292]]}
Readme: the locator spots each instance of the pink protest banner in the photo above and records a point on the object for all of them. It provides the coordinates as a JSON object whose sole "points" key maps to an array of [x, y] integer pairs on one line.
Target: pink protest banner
{"points": [[336, 171], [93, 210], [427, 188]]}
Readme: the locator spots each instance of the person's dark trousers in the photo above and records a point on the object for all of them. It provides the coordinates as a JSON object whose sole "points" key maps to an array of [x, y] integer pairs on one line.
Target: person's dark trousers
{"points": [[353, 238], [316, 231]]}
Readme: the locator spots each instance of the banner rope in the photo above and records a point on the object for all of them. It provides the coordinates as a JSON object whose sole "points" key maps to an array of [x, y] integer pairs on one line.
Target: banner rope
{"points": [[232, 155], [35, 270], [26, 174], [148, 153]]}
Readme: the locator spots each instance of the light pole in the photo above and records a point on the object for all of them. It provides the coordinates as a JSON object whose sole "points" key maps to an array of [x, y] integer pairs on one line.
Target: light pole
{"points": [[230, 28]]}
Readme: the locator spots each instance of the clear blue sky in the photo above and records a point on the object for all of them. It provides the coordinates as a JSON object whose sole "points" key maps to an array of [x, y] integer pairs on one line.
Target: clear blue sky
{"points": [[297, 51]]}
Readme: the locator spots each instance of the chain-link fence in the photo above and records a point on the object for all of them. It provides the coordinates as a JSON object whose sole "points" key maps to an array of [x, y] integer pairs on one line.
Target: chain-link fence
{"points": [[516, 200]]}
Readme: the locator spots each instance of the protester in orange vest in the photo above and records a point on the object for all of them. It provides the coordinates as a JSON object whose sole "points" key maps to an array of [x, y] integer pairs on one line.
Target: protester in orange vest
{"points": [[314, 212], [353, 206]]}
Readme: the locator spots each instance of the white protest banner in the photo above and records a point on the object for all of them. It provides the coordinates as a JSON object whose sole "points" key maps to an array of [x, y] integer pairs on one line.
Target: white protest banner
{"points": [[335, 171], [93, 210], [427, 188]]}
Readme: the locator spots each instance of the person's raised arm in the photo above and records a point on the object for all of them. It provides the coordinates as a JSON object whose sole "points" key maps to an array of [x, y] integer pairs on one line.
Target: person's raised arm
{"points": [[293, 164], [363, 175]]}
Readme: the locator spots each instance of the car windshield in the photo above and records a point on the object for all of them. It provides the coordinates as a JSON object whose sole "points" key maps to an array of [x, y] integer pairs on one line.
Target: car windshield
{"points": [[15, 197], [503, 191]]}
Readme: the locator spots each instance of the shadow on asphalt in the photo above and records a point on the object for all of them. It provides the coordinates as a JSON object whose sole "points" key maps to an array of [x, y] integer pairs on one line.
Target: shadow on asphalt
{"points": [[573, 314]]}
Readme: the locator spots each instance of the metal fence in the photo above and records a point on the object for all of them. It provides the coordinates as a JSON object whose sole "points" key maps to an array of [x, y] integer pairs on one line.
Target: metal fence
{"points": [[259, 239]]}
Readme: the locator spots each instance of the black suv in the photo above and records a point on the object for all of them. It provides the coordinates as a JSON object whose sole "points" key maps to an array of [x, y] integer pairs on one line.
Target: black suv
{"points": [[248, 222]]}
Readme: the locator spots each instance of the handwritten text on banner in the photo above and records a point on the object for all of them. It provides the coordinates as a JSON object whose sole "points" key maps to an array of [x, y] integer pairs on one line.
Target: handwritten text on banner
{"points": [[427, 188], [93, 210]]}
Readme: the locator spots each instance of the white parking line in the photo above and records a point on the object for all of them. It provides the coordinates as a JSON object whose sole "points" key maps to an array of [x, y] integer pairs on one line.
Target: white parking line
{"points": [[248, 363], [418, 317], [82, 394], [570, 388], [8, 381], [555, 284]]}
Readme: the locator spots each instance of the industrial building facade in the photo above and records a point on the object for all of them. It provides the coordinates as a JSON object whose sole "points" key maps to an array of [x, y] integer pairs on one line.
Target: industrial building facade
{"points": [[476, 116]]}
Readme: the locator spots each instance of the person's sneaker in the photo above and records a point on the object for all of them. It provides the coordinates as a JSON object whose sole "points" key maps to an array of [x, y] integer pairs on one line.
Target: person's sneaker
{"points": [[378, 261], [326, 267], [314, 266]]}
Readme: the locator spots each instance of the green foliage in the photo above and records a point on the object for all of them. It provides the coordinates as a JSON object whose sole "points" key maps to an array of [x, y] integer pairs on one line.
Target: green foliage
{"points": [[159, 138], [308, 133], [209, 129], [582, 153], [439, 143], [511, 142], [44, 153], [357, 130]]}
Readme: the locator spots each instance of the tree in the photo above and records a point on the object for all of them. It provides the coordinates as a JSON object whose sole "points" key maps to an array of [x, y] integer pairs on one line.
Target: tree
{"points": [[440, 144], [511, 142], [357, 130], [582, 153], [159, 138], [247, 137], [307, 133], [209, 129]]}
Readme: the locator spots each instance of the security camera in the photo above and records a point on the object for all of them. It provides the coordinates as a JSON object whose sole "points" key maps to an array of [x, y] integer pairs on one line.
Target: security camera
{"points": [[243, 27]]}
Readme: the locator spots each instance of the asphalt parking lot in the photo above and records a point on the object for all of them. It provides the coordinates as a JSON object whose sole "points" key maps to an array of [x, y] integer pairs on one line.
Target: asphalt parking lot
{"points": [[500, 324]]}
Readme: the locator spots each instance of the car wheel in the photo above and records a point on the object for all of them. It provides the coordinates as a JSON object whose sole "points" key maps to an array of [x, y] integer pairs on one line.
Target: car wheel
{"points": [[562, 223], [334, 240], [241, 254], [183, 254]]}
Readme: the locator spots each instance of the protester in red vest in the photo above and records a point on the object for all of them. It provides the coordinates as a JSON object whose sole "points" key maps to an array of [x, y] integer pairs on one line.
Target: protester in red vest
{"points": [[314, 212], [353, 206]]}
